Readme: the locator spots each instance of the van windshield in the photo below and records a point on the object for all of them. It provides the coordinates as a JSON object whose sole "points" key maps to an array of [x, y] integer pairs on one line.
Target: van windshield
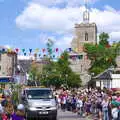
{"points": [[39, 94]]}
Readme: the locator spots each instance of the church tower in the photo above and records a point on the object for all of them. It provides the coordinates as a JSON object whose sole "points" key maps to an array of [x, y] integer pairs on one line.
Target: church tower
{"points": [[85, 32]]}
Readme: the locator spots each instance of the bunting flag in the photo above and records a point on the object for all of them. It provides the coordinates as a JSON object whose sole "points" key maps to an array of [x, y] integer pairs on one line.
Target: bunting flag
{"points": [[39, 55], [36, 50], [16, 50], [30, 50], [3, 49], [108, 46], [44, 55], [70, 49], [53, 56], [76, 49], [57, 49], [62, 57], [9, 50], [25, 54], [43, 50], [23, 50]]}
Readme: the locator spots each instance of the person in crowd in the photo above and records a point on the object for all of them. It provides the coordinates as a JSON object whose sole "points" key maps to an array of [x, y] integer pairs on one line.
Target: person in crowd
{"points": [[19, 114], [8, 105], [73, 103], [105, 104], [68, 103], [3, 116], [63, 102], [79, 106]]}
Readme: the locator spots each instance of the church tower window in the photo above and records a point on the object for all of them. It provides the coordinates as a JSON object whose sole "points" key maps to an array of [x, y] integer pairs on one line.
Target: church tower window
{"points": [[86, 36]]}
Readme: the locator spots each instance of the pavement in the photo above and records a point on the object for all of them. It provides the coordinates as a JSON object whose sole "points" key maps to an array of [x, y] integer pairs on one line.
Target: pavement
{"points": [[71, 116]]}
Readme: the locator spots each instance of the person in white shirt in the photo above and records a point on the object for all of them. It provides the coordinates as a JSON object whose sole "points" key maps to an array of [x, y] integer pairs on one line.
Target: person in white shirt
{"points": [[79, 106]]}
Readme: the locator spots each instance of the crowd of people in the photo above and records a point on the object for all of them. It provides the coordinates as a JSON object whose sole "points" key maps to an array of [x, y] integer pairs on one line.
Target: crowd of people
{"points": [[99, 104], [9, 111]]}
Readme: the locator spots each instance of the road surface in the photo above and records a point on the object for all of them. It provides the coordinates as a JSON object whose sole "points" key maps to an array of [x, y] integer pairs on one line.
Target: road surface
{"points": [[70, 116]]}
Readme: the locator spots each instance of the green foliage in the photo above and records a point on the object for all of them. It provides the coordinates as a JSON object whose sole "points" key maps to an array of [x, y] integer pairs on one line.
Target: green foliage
{"points": [[50, 44], [35, 71], [59, 73], [55, 73], [103, 38], [102, 55]]}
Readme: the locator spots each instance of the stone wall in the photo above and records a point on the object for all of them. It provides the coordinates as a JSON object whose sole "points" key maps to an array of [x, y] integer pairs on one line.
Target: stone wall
{"points": [[8, 63]]}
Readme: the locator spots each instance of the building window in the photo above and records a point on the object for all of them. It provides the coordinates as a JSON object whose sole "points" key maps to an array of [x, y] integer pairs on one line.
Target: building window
{"points": [[0, 67], [86, 36]]}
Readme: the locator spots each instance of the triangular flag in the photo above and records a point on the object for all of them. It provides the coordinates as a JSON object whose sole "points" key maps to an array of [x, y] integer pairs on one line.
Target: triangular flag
{"points": [[25, 54], [30, 50], [36, 50], [53, 56], [39, 55], [43, 50], [9, 50], [16, 50], [57, 49], [23, 50], [3, 49]]}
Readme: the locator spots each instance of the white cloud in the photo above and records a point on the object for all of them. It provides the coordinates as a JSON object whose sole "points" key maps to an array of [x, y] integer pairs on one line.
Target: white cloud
{"points": [[36, 16], [115, 36], [64, 41], [62, 20]]}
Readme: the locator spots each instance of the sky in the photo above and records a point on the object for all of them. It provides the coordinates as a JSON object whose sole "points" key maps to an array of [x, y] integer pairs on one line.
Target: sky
{"points": [[29, 23]]}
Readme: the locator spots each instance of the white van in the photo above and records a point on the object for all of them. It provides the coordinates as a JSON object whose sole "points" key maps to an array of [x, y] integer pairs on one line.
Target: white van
{"points": [[39, 103]]}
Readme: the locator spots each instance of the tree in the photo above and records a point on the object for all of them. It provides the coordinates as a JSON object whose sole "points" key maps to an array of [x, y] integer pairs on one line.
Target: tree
{"points": [[35, 71], [102, 55], [103, 39], [59, 73], [72, 79]]}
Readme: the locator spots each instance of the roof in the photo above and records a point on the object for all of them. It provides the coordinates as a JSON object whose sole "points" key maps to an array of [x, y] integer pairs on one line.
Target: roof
{"points": [[106, 75]]}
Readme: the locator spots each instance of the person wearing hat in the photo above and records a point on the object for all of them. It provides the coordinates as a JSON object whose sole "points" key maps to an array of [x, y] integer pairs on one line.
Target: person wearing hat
{"points": [[19, 114]]}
